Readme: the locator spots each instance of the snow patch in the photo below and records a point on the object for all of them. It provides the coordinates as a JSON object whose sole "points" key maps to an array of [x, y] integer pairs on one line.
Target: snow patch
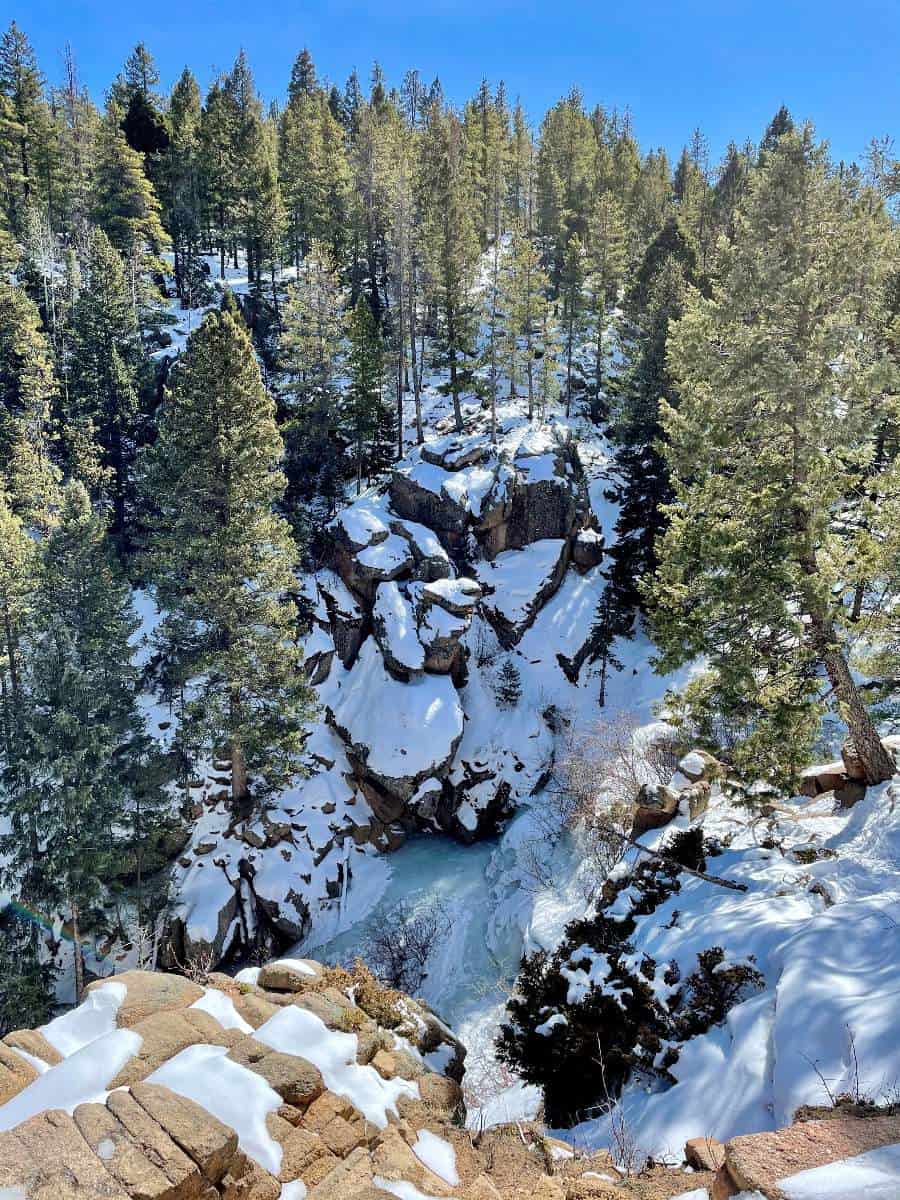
{"points": [[91, 1020], [875, 1175], [407, 729], [236, 1096], [221, 1006], [80, 1078], [401, 1189], [437, 1155], [296, 1031]]}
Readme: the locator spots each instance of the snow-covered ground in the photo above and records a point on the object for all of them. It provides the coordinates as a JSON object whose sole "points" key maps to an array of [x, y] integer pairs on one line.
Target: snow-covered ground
{"points": [[824, 934]]}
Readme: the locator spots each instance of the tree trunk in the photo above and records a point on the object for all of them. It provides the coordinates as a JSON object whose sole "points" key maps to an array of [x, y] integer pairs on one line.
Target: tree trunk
{"points": [[570, 339], [598, 375], [238, 763], [238, 773], [78, 953], [416, 371], [454, 391], [401, 372], [877, 762]]}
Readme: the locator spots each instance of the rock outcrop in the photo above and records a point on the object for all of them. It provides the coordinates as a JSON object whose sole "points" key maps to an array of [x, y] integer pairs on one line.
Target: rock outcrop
{"points": [[467, 529], [306, 1081], [508, 499], [314, 1082], [420, 588], [687, 793], [762, 1163]]}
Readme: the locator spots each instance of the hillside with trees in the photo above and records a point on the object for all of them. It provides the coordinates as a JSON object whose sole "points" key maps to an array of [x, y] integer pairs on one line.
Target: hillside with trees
{"points": [[366, 460]]}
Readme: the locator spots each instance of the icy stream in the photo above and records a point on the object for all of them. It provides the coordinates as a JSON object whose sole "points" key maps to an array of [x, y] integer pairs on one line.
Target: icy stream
{"points": [[493, 908]]}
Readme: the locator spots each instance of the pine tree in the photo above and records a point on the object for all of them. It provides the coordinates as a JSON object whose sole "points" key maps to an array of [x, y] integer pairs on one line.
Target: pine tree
{"points": [[352, 101], [140, 76], [125, 205], [18, 584], [369, 162], [654, 301], [572, 283], [412, 99], [524, 304], [310, 351], [648, 203], [315, 177], [266, 216], [27, 975], [521, 171], [27, 393], [606, 269], [693, 196], [779, 374], [486, 132], [144, 126], [450, 246], [403, 240], [9, 255], [252, 163], [223, 562], [78, 123], [613, 619], [181, 190], [729, 187], [218, 165], [780, 124], [102, 415], [28, 146], [551, 347], [80, 720], [508, 690], [303, 77], [492, 319], [565, 170], [370, 419]]}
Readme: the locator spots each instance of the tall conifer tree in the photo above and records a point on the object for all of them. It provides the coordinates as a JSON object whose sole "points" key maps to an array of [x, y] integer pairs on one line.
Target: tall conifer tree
{"points": [[777, 374], [223, 561]]}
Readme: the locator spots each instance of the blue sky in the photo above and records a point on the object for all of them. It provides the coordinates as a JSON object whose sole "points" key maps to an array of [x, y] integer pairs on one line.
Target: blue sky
{"points": [[723, 64]]}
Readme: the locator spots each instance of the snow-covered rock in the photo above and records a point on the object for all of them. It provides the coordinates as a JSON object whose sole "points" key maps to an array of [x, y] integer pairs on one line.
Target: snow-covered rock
{"points": [[588, 549], [394, 623], [440, 633], [458, 596], [431, 559], [398, 734], [509, 497], [455, 451], [346, 617], [519, 583]]}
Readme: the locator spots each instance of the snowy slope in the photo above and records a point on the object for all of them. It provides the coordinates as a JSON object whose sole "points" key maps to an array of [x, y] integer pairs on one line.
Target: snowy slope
{"points": [[824, 935]]}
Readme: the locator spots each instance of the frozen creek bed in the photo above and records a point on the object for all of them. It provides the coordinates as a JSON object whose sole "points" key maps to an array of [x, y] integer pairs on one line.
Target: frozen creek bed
{"points": [[491, 910]]}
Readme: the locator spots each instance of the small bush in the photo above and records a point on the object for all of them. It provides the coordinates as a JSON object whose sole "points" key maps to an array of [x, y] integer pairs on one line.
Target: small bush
{"points": [[508, 685], [712, 990], [687, 847], [380, 1003], [398, 951], [614, 1023]]}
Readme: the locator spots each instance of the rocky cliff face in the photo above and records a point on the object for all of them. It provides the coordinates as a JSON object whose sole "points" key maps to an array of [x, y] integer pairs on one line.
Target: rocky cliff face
{"points": [[429, 585], [296, 1081], [291, 1081]]}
